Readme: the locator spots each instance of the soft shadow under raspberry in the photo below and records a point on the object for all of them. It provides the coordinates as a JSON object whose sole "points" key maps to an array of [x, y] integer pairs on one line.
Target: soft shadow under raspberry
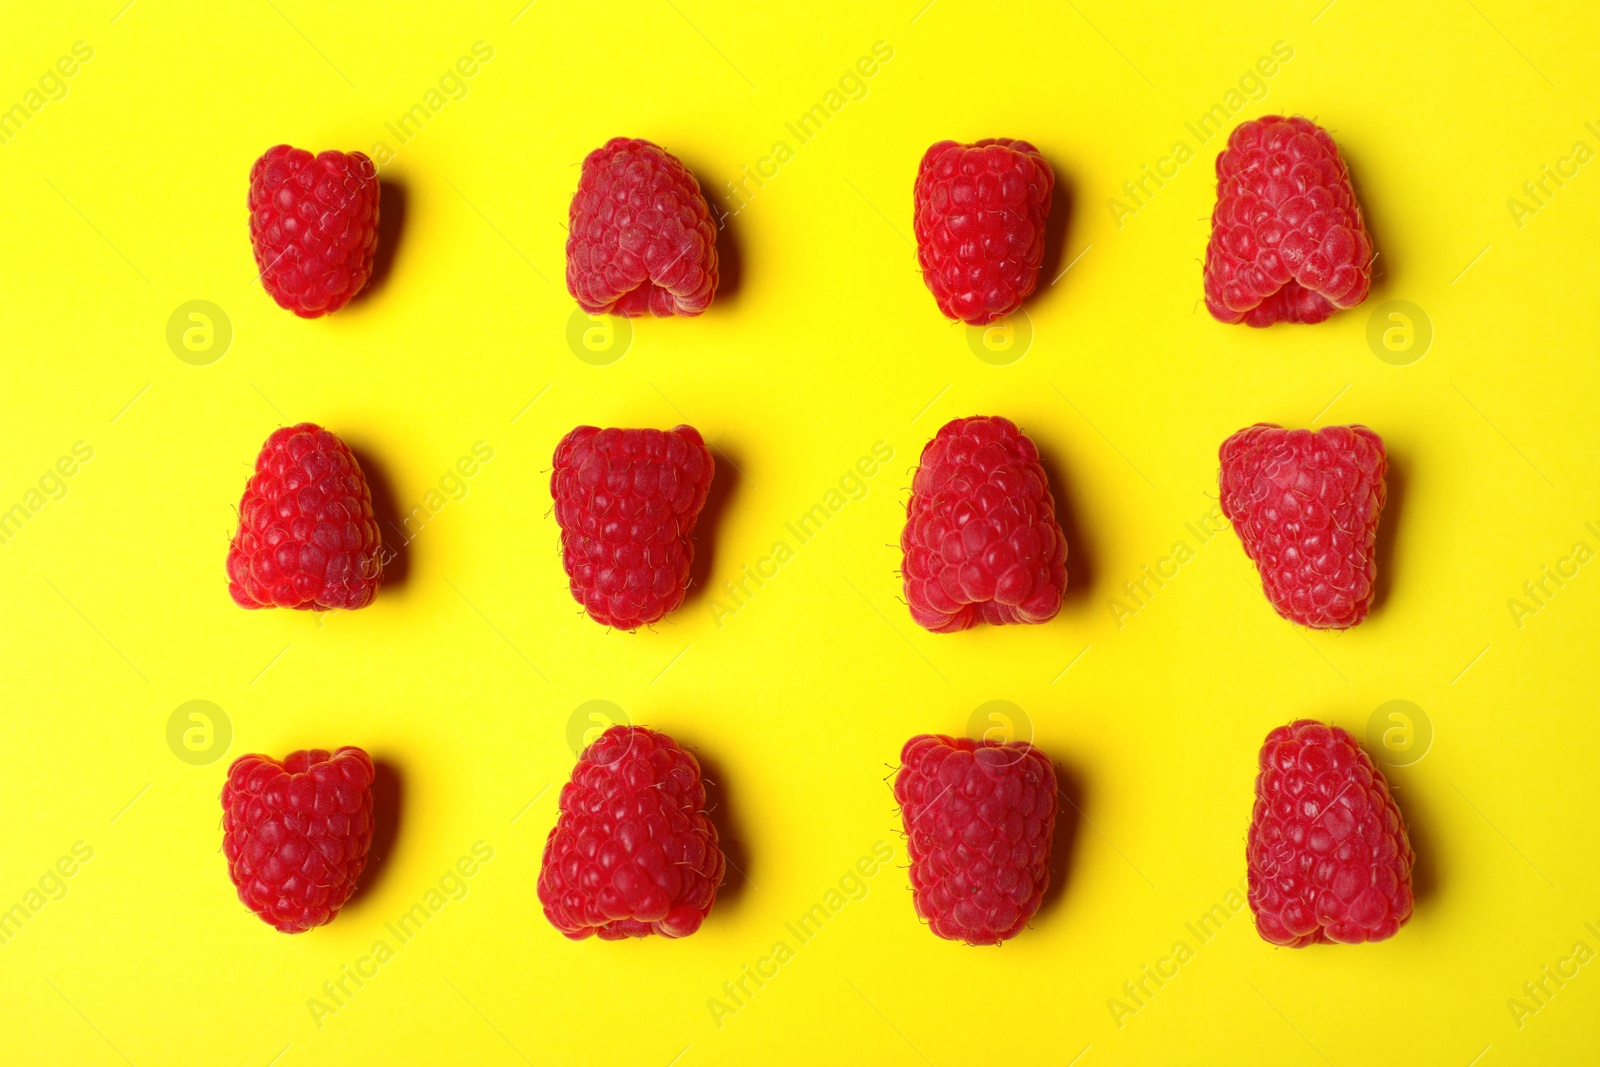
{"points": [[1070, 795], [730, 253], [388, 794], [1383, 263], [1057, 228], [730, 832], [1394, 482], [724, 474], [391, 525], [1425, 871], [1080, 553], [393, 200]]}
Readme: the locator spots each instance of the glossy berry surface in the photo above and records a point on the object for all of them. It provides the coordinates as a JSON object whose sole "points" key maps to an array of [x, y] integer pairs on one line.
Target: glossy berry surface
{"points": [[979, 818], [307, 537], [1305, 505], [633, 852], [1288, 243], [313, 226], [980, 213], [981, 540], [1328, 852], [640, 238], [296, 833], [626, 502]]}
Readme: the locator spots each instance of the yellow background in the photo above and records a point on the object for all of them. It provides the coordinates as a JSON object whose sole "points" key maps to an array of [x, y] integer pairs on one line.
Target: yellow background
{"points": [[125, 198]]}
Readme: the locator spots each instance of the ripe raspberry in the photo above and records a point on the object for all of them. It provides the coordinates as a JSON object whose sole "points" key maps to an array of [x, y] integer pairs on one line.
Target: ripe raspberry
{"points": [[1306, 506], [979, 213], [981, 538], [640, 236], [979, 817], [296, 833], [1329, 857], [1287, 240], [314, 226], [626, 502], [307, 538], [633, 852]]}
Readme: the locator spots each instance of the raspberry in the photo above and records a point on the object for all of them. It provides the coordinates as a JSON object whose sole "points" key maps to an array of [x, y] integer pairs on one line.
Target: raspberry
{"points": [[1329, 857], [1287, 240], [981, 538], [1306, 506], [296, 833], [626, 502], [980, 213], [633, 852], [307, 538], [979, 817], [640, 237], [314, 226]]}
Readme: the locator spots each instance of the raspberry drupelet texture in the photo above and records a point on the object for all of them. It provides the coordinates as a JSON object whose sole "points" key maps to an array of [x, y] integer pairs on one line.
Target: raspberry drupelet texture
{"points": [[980, 213], [626, 502], [1305, 505], [981, 540], [307, 537], [633, 852], [640, 238], [313, 226], [979, 819], [296, 833], [1288, 243], [1328, 852]]}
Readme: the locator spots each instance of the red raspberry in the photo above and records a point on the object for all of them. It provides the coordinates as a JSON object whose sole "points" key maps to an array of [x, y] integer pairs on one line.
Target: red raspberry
{"points": [[307, 538], [633, 852], [979, 817], [980, 213], [981, 538], [296, 833], [314, 226], [640, 236], [1306, 507], [626, 502], [1329, 857], [1287, 240]]}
